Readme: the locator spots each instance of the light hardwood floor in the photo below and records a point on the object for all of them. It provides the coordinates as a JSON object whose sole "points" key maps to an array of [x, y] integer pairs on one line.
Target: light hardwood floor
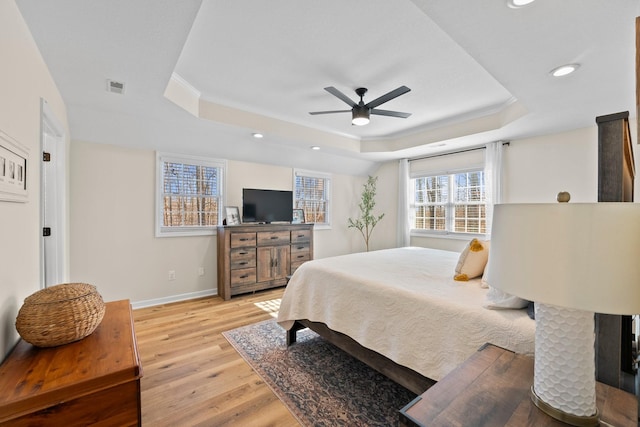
{"points": [[192, 376]]}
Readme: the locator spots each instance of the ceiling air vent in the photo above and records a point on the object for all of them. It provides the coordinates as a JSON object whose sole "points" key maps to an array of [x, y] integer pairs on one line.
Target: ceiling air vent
{"points": [[115, 87]]}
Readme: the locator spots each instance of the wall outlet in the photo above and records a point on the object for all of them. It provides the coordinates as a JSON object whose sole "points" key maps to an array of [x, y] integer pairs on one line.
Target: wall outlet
{"points": [[200, 271], [172, 275]]}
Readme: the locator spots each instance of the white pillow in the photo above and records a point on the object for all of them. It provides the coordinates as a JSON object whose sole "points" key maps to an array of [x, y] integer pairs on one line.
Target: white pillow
{"points": [[497, 300], [472, 260], [483, 282]]}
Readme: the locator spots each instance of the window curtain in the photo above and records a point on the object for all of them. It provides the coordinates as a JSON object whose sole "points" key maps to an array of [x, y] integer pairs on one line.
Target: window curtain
{"points": [[493, 170], [404, 227]]}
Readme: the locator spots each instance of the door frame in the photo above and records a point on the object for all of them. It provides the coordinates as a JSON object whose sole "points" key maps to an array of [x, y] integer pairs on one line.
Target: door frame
{"points": [[53, 198]]}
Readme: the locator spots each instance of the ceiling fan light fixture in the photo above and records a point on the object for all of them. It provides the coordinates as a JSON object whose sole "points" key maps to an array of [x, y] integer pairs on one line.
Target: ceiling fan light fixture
{"points": [[360, 116]]}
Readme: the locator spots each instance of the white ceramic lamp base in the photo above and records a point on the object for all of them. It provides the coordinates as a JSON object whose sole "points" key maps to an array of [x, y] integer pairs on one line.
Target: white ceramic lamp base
{"points": [[564, 372]]}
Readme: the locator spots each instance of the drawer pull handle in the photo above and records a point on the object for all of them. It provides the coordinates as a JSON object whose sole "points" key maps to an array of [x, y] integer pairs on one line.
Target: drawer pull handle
{"points": [[244, 239], [243, 253], [244, 277], [243, 263], [300, 256], [300, 235], [274, 237], [300, 247]]}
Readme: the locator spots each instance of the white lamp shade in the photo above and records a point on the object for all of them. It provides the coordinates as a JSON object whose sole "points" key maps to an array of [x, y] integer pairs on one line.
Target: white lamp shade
{"points": [[584, 256]]}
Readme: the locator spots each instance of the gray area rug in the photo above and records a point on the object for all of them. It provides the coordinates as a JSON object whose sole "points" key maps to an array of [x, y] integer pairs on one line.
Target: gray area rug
{"points": [[319, 383]]}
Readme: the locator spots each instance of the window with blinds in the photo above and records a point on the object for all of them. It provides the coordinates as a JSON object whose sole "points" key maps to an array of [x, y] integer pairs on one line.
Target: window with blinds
{"points": [[450, 203], [312, 194], [190, 196]]}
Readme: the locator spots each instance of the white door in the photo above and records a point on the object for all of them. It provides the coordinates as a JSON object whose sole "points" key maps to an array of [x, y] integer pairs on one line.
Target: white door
{"points": [[53, 199]]}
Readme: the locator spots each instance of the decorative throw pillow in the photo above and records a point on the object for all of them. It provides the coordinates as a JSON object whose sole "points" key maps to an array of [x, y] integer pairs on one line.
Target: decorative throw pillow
{"points": [[472, 260], [497, 299]]}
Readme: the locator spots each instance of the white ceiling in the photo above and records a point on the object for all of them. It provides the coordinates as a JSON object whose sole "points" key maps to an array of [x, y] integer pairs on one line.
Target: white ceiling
{"points": [[478, 72]]}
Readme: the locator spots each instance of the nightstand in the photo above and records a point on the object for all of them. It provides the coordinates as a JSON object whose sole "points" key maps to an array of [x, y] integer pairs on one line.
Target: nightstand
{"points": [[492, 389]]}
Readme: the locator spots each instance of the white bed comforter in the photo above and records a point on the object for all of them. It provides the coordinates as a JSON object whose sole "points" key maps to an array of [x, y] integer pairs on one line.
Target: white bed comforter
{"points": [[404, 304]]}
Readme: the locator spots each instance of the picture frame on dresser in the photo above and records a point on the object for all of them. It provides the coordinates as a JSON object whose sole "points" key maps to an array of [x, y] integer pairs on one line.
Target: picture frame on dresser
{"points": [[298, 216], [232, 214]]}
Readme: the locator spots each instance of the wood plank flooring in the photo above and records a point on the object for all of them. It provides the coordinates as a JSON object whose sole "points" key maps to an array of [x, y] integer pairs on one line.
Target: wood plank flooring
{"points": [[192, 376]]}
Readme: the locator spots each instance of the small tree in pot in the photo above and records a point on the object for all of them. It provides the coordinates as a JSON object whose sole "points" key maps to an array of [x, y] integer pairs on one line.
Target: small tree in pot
{"points": [[367, 221]]}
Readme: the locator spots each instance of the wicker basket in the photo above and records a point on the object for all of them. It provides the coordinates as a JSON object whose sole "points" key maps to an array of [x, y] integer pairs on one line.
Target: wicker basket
{"points": [[60, 314]]}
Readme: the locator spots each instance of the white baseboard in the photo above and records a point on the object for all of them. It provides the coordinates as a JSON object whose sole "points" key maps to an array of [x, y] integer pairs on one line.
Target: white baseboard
{"points": [[173, 298]]}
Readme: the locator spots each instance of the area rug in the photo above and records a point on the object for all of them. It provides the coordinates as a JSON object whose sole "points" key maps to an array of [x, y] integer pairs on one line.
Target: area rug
{"points": [[319, 383]]}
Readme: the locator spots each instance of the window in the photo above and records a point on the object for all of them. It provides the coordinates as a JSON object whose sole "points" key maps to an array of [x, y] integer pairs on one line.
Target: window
{"points": [[189, 195], [311, 193], [453, 203]]}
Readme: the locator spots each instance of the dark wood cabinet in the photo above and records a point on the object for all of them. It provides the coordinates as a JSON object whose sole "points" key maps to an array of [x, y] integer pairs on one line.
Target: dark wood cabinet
{"points": [[260, 256], [616, 165], [616, 177]]}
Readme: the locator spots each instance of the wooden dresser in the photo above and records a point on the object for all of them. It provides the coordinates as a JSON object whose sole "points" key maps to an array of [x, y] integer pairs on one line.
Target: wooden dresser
{"points": [[260, 256], [94, 381]]}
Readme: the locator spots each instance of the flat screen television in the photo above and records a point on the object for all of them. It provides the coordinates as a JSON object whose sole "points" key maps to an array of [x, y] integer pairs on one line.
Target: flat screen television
{"points": [[267, 205]]}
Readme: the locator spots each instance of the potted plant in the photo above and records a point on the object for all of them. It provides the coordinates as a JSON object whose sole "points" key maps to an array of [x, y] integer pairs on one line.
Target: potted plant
{"points": [[367, 220]]}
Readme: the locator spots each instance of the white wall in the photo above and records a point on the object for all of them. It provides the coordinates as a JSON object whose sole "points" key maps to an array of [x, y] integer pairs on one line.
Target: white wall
{"points": [[113, 243], [26, 80], [536, 169], [112, 239]]}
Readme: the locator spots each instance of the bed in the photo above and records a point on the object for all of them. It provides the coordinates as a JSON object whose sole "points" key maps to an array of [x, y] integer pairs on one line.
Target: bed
{"points": [[400, 311]]}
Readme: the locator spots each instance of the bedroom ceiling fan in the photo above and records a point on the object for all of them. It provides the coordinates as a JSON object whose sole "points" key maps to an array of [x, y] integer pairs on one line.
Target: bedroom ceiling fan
{"points": [[360, 111]]}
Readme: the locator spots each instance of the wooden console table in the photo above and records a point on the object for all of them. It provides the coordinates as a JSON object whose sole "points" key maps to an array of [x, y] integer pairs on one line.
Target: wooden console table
{"points": [[492, 389], [92, 381]]}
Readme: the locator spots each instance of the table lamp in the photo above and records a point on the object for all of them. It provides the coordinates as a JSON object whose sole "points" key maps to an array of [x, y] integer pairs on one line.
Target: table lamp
{"points": [[572, 260]]}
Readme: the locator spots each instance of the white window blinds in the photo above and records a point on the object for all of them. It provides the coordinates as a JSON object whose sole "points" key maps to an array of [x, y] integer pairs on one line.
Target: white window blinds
{"points": [[448, 163]]}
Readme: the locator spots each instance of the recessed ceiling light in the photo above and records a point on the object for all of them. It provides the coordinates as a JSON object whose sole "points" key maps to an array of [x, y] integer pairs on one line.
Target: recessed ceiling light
{"points": [[564, 70], [514, 4], [315, 147], [258, 135]]}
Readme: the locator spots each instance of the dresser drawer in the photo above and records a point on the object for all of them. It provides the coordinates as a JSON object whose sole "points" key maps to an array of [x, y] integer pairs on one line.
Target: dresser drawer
{"points": [[300, 248], [243, 258], [300, 256], [243, 276], [239, 240], [273, 238], [300, 236]]}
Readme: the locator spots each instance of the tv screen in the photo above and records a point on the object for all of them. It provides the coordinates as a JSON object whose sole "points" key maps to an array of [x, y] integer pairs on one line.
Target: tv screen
{"points": [[266, 205]]}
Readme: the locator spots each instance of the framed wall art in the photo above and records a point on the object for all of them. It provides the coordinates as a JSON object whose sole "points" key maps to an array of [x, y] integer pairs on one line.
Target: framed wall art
{"points": [[13, 170]]}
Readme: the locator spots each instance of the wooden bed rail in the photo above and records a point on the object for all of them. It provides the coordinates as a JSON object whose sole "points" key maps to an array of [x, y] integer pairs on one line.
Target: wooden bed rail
{"points": [[404, 376]]}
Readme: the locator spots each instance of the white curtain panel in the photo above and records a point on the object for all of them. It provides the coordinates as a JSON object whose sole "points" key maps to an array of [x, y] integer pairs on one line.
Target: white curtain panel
{"points": [[404, 227], [493, 170]]}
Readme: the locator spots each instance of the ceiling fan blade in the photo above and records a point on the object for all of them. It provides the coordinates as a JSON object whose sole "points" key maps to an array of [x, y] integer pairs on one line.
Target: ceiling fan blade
{"points": [[390, 113], [335, 92], [313, 113], [388, 97]]}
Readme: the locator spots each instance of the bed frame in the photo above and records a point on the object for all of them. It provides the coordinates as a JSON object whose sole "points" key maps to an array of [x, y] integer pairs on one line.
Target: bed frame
{"points": [[404, 376]]}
